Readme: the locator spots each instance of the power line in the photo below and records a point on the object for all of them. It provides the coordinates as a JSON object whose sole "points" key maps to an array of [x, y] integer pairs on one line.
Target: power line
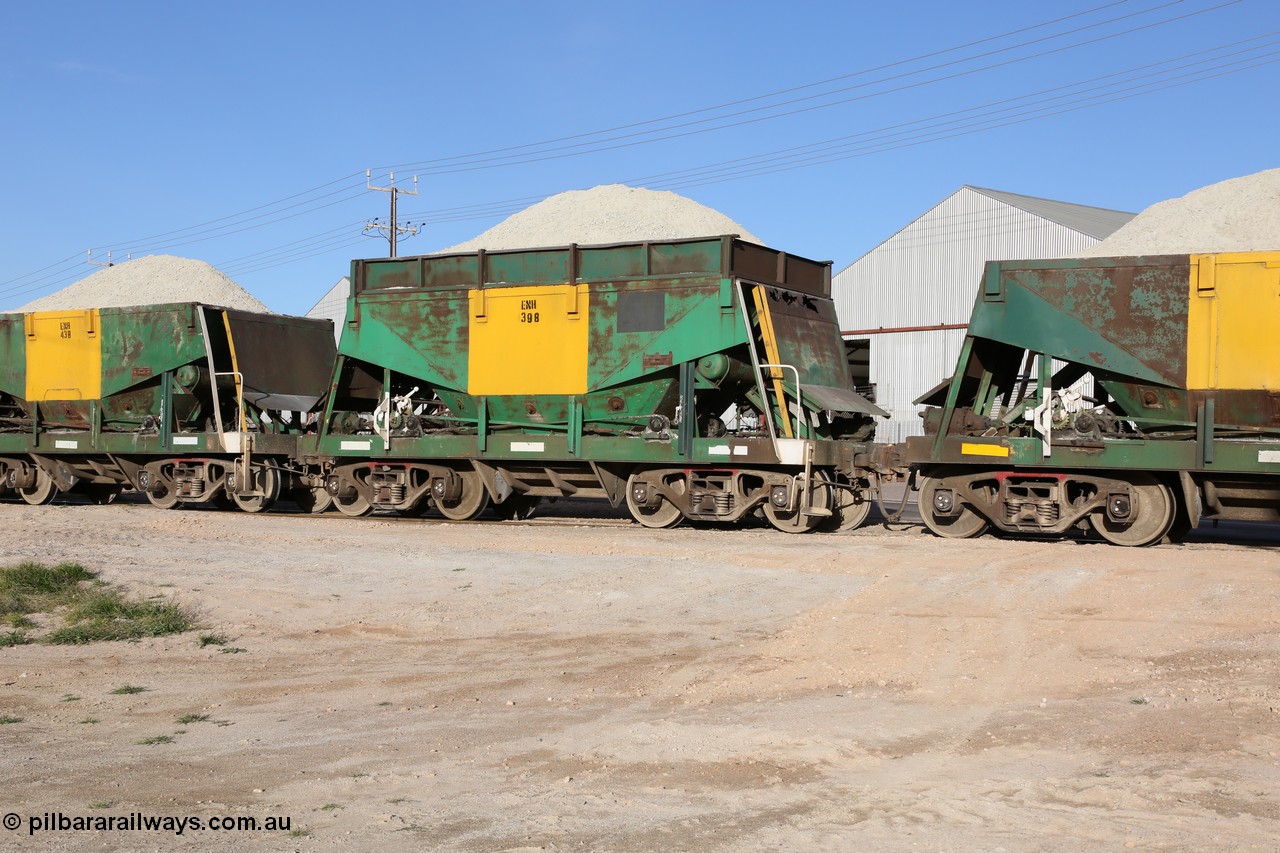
{"points": [[952, 117], [225, 223], [548, 155], [916, 132], [145, 242], [308, 201], [966, 132], [939, 120], [767, 96]]}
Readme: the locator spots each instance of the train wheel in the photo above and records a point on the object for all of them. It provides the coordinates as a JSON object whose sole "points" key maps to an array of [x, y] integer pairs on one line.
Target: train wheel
{"points": [[313, 500], [1153, 509], [417, 510], [472, 501], [934, 508], [164, 499], [355, 506], [665, 514], [268, 482], [794, 520], [516, 507], [43, 492], [1178, 530], [849, 513]]}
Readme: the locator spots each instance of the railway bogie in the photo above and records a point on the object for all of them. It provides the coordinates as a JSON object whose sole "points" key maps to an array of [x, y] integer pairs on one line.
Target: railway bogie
{"points": [[1129, 397]]}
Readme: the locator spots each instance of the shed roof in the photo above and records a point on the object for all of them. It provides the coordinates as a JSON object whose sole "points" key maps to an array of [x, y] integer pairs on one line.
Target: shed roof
{"points": [[1099, 222]]}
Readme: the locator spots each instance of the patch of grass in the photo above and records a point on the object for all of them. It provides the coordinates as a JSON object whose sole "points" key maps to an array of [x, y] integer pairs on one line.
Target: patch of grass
{"points": [[383, 704], [9, 719], [29, 588], [69, 697], [213, 640], [158, 739], [328, 807], [127, 690], [1137, 701], [102, 805], [297, 833], [85, 609], [37, 579], [108, 615], [10, 639], [187, 719], [89, 721], [233, 650], [398, 801]]}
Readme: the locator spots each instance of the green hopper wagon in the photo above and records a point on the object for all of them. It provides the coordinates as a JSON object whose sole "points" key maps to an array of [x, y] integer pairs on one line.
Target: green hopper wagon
{"points": [[1131, 395], [701, 379], [184, 402]]}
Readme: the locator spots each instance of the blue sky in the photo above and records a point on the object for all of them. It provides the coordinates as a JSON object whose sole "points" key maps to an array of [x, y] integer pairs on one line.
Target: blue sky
{"points": [[238, 133]]}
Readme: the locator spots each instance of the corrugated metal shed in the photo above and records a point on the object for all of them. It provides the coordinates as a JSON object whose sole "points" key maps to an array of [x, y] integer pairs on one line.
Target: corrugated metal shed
{"points": [[333, 306], [910, 297]]}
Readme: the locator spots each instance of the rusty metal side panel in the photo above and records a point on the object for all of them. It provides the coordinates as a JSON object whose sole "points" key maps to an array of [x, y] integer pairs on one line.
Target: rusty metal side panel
{"points": [[690, 323], [721, 256], [808, 335], [286, 362], [13, 355], [1122, 315], [140, 343], [420, 333]]}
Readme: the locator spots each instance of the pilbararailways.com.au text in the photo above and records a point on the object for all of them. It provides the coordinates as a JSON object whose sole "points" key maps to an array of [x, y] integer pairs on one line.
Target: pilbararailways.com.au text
{"points": [[140, 822]]}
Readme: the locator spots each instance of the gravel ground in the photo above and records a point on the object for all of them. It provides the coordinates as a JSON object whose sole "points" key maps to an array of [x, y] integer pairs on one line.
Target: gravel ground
{"points": [[588, 685], [1238, 215], [153, 280], [613, 213]]}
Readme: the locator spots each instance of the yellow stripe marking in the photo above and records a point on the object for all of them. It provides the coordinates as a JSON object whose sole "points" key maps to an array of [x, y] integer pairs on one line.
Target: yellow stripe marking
{"points": [[235, 367], [983, 450], [771, 352]]}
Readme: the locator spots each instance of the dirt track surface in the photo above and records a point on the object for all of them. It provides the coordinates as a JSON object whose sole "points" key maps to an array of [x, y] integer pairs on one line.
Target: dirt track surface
{"points": [[525, 686]]}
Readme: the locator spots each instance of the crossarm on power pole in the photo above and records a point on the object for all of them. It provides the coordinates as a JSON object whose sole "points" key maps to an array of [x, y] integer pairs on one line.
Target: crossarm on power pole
{"points": [[393, 228]]}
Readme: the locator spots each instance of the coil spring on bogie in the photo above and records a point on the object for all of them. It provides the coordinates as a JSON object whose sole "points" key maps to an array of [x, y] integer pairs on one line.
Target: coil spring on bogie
{"points": [[388, 494], [1046, 512], [724, 503]]}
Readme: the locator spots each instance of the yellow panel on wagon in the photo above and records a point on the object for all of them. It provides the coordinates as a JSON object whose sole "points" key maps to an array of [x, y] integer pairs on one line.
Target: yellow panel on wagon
{"points": [[528, 340], [1233, 321], [64, 355]]}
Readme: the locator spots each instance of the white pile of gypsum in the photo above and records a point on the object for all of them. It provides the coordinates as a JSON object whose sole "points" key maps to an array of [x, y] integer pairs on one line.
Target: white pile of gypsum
{"points": [[1237, 215], [613, 213], [153, 280]]}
